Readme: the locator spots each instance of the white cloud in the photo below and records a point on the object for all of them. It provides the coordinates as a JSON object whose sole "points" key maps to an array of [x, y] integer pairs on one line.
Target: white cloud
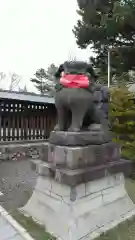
{"points": [[35, 33]]}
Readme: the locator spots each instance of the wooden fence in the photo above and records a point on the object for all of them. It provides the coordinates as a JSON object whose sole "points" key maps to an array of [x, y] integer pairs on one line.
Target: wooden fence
{"points": [[25, 121]]}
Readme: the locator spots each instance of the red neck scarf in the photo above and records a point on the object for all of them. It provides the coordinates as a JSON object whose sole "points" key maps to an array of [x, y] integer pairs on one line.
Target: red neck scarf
{"points": [[74, 81]]}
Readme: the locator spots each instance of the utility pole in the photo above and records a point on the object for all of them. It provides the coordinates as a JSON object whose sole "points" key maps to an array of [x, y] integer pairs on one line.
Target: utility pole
{"points": [[109, 66]]}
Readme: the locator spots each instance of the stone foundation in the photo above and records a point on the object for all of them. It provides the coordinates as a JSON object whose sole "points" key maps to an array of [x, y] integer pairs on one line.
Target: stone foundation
{"points": [[80, 187], [80, 212]]}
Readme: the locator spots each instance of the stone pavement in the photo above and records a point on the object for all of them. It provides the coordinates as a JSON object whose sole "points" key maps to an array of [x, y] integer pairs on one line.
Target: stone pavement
{"points": [[16, 184], [17, 181], [10, 229]]}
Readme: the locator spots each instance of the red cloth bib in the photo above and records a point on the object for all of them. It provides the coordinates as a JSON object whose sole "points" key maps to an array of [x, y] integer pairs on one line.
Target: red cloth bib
{"points": [[74, 81]]}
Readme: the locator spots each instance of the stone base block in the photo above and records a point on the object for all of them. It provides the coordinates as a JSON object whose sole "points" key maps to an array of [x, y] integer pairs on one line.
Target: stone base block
{"points": [[81, 212], [80, 157], [82, 138], [74, 177]]}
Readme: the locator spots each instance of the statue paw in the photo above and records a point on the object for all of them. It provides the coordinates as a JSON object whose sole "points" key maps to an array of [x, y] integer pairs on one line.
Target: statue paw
{"points": [[57, 128], [95, 127], [73, 129]]}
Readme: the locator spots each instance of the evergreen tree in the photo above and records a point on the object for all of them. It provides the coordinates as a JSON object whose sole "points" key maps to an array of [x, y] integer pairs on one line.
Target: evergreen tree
{"points": [[45, 80], [108, 24], [122, 115]]}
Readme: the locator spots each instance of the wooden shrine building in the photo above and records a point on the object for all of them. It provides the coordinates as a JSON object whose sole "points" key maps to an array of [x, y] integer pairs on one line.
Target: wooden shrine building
{"points": [[25, 116]]}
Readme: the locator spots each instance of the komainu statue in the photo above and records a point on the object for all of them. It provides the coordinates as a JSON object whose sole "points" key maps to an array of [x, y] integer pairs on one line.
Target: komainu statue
{"points": [[78, 98], [82, 160]]}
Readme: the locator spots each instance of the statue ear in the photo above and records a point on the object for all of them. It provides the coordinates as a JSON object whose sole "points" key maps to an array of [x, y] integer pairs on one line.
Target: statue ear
{"points": [[92, 72], [59, 71]]}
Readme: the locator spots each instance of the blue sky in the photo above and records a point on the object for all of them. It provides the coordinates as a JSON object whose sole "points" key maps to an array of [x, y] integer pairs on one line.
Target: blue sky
{"points": [[35, 33]]}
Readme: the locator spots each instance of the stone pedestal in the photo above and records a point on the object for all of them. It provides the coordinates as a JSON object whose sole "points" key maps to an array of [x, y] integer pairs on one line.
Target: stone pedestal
{"points": [[80, 190]]}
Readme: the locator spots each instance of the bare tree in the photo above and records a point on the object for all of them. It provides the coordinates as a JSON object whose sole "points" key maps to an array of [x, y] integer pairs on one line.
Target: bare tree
{"points": [[14, 81], [2, 76], [24, 89], [72, 58]]}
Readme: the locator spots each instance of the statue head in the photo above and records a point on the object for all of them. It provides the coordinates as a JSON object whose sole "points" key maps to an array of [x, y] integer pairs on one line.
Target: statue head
{"points": [[76, 67]]}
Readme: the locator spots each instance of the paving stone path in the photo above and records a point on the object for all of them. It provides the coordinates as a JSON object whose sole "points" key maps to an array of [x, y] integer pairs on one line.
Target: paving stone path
{"points": [[16, 183]]}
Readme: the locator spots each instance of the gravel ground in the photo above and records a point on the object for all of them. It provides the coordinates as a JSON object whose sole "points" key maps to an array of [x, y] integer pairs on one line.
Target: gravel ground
{"points": [[16, 183]]}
